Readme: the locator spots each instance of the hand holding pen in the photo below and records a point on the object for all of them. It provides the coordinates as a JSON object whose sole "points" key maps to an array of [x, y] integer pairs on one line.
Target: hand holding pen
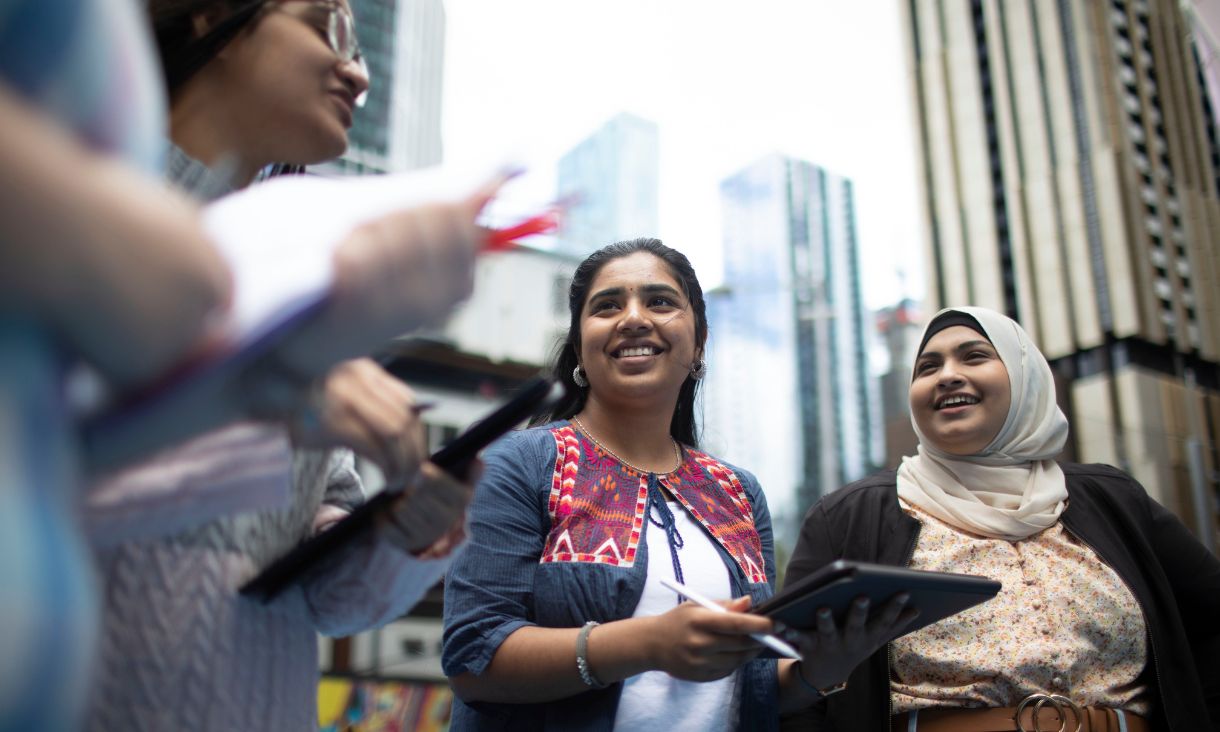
{"points": [[768, 640], [360, 406]]}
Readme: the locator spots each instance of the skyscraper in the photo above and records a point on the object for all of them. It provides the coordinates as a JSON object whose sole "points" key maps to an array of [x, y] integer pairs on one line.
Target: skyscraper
{"points": [[1070, 168], [399, 127], [789, 394], [614, 174]]}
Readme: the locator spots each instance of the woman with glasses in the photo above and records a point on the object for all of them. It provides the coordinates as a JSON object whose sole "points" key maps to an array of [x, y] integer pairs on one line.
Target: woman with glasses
{"points": [[257, 83], [253, 84]]}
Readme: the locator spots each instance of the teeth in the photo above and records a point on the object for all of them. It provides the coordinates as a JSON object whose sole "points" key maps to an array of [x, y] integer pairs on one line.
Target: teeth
{"points": [[957, 400], [638, 351]]}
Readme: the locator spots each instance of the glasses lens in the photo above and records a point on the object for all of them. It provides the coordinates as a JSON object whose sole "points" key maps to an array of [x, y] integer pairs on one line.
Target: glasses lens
{"points": [[343, 34], [364, 69]]}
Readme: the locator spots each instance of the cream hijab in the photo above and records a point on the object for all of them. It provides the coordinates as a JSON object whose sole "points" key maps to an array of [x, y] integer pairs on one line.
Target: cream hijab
{"points": [[1012, 489]]}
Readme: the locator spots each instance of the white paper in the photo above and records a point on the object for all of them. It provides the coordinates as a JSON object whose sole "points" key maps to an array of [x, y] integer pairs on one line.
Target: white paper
{"points": [[279, 237]]}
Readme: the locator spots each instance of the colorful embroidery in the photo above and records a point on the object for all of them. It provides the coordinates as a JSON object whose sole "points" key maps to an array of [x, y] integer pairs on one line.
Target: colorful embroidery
{"points": [[598, 506]]}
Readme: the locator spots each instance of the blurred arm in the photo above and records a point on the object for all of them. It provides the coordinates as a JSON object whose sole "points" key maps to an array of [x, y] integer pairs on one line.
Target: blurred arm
{"points": [[109, 259]]}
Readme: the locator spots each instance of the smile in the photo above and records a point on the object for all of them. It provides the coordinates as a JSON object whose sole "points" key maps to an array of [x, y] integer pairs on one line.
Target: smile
{"points": [[346, 107], [956, 400], [636, 351]]}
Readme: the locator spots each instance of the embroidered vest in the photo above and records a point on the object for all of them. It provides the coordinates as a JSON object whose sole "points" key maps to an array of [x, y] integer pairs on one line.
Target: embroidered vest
{"points": [[598, 506]]}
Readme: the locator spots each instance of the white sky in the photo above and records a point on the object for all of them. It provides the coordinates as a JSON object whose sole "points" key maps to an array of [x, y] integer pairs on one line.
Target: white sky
{"points": [[727, 82]]}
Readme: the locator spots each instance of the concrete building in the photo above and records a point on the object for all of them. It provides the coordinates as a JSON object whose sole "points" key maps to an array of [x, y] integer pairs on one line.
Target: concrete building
{"points": [[614, 174], [1070, 168], [789, 394]]}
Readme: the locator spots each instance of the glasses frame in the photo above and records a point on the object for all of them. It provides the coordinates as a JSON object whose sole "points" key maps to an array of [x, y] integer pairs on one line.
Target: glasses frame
{"points": [[340, 37]]}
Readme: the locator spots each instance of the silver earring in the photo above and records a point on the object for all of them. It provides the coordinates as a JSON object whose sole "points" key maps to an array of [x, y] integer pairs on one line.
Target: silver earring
{"points": [[698, 369], [578, 375]]}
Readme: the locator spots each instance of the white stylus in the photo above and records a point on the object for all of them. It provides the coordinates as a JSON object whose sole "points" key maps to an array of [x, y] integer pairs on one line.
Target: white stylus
{"points": [[766, 639]]}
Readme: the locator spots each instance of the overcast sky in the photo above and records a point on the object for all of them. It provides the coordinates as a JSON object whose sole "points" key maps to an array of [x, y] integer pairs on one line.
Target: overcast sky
{"points": [[727, 82]]}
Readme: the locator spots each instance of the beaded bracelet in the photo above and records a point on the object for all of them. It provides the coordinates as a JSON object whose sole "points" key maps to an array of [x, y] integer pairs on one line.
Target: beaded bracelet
{"points": [[582, 662]]}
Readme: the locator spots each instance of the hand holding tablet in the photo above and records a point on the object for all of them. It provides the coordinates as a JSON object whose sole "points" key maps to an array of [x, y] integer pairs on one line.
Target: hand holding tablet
{"points": [[936, 595]]}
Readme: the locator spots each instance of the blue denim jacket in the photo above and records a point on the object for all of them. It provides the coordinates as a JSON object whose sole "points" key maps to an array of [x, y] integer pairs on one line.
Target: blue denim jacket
{"points": [[514, 573]]}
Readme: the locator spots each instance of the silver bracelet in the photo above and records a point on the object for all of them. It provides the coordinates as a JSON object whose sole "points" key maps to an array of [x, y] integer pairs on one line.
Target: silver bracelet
{"points": [[582, 661]]}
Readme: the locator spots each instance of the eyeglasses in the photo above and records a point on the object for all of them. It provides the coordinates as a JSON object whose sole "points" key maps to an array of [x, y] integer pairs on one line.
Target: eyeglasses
{"points": [[336, 24], [184, 55]]}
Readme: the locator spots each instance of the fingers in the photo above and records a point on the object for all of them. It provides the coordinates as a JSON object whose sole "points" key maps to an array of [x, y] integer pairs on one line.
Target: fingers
{"points": [[857, 615], [888, 617], [826, 623], [702, 644], [366, 409], [734, 622], [480, 198], [738, 604], [407, 269], [435, 502]]}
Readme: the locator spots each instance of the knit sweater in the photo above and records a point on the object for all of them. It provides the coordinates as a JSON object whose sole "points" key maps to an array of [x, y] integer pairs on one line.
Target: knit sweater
{"points": [[180, 648]]}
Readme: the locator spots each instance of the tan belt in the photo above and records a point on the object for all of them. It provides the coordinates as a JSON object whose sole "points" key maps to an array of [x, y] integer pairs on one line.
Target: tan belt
{"points": [[1038, 713]]}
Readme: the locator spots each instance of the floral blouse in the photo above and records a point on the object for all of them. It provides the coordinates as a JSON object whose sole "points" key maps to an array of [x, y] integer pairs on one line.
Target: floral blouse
{"points": [[1064, 623]]}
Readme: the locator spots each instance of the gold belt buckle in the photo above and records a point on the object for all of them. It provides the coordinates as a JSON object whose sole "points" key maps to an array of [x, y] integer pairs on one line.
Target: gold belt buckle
{"points": [[1059, 703]]}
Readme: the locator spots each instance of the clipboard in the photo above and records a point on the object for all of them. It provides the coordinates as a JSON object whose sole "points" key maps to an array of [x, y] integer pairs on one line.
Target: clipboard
{"points": [[455, 459], [198, 396], [936, 595]]}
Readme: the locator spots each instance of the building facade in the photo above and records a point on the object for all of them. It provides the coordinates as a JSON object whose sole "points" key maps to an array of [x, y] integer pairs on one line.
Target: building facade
{"points": [[1071, 179], [399, 127], [789, 394], [613, 176]]}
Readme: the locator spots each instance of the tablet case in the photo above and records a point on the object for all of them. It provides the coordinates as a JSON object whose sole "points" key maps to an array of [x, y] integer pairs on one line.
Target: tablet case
{"points": [[936, 595]]}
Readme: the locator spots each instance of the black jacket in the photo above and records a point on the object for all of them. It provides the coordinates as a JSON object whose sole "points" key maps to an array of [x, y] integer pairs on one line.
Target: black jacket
{"points": [[1173, 577]]}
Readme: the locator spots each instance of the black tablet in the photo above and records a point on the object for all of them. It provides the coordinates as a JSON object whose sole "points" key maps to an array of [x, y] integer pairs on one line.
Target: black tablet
{"points": [[455, 458], [936, 595]]}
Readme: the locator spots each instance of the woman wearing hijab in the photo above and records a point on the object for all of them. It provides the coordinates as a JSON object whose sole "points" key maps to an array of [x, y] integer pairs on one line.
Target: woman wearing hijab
{"points": [[1106, 619]]}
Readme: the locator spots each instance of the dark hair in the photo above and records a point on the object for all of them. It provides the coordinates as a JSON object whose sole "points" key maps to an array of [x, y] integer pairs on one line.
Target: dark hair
{"points": [[182, 50], [682, 426]]}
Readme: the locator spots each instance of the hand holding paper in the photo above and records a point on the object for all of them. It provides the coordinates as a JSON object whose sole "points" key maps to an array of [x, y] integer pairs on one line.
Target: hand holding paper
{"points": [[324, 270]]}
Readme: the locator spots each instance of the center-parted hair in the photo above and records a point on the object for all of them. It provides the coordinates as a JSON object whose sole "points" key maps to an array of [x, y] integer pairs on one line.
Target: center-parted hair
{"points": [[683, 425]]}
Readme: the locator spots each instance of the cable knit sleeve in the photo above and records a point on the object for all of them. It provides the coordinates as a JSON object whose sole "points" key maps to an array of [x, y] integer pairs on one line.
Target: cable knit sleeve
{"points": [[241, 468], [370, 582]]}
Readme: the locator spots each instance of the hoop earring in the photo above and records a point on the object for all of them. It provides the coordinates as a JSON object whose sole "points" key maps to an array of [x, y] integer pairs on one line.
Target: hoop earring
{"points": [[698, 369], [578, 375]]}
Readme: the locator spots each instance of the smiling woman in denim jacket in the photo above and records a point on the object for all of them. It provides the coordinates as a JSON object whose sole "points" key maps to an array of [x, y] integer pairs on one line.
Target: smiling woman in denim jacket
{"points": [[555, 617]]}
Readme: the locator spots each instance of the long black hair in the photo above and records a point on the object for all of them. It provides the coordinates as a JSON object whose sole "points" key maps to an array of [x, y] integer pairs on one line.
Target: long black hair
{"points": [[682, 426]]}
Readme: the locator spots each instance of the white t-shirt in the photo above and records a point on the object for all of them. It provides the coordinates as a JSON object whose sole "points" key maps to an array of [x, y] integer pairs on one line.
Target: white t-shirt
{"points": [[654, 700]]}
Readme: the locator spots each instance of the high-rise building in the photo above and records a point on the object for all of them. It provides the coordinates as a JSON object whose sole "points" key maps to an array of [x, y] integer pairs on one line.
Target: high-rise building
{"points": [[789, 394], [613, 174], [1070, 167], [399, 127], [900, 327]]}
